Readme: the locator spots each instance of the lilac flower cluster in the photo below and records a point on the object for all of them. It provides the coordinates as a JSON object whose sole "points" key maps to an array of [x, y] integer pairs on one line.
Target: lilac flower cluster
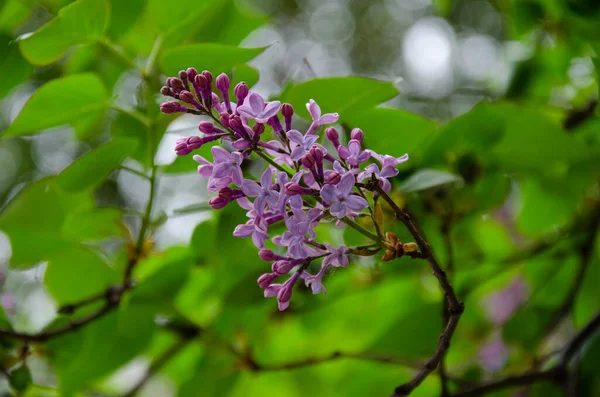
{"points": [[304, 182]]}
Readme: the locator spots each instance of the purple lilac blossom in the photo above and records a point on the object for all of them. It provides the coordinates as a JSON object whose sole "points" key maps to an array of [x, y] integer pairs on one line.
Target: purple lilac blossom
{"points": [[301, 185]]}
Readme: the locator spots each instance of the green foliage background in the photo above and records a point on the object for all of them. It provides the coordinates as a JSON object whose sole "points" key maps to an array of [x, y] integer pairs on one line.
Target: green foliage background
{"points": [[507, 190]]}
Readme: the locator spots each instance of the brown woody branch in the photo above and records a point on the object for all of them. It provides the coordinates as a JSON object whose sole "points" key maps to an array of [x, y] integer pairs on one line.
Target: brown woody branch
{"points": [[455, 307], [558, 373]]}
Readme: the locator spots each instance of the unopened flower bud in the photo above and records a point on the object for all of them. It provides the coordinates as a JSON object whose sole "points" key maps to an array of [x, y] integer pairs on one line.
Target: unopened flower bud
{"points": [[176, 85], [269, 256], [308, 161], [284, 295], [206, 127], [258, 128], [241, 92], [172, 107], [333, 178], [183, 77], [218, 202], [357, 134], [266, 280], [191, 73], [201, 82], [188, 97], [166, 91], [293, 189], [224, 117], [222, 82], [208, 75], [282, 267], [333, 136], [288, 111], [317, 154]]}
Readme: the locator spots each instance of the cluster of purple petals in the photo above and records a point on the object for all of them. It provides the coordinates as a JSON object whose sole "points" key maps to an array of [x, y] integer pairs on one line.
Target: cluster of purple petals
{"points": [[303, 184]]}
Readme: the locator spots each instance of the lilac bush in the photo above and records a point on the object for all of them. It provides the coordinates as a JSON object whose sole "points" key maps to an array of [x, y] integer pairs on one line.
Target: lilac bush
{"points": [[303, 184]]}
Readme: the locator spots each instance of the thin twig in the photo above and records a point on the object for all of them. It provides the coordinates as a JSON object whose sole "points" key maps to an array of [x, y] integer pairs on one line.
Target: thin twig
{"points": [[157, 364], [447, 235], [134, 171], [455, 307], [558, 373], [334, 356]]}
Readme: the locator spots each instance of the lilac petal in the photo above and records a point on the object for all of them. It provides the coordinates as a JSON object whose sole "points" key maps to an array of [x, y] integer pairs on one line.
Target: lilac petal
{"points": [[354, 147], [199, 159], [329, 193], [246, 110], [266, 179], [328, 259], [309, 140], [355, 203], [343, 152], [236, 173], [338, 210], [271, 110], [241, 144], [346, 184], [251, 188], [244, 203], [257, 103], [313, 109], [385, 185], [295, 136], [363, 156], [388, 172], [220, 155], [329, 118], [222, 170], [283, 305], [244, 230], [272, 199], [258, 239], [205, 170], [297, 153], [260, 204], [272, 290]]}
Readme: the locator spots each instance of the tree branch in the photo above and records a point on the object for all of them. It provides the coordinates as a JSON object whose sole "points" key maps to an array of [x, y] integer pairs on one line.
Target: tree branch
{"points": [[455, 307], [334, 356], [558, 373], [157, 364]]}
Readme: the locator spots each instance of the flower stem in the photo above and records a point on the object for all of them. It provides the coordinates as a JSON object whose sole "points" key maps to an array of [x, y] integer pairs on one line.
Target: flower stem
{"points": [[360, 229], [273, 163]]}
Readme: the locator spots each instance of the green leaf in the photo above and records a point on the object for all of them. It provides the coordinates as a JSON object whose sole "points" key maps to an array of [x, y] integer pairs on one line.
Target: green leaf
{"points": [[343, 95], [99, 349], [91, 169], [92, 224], [81, 22], [210, 56], [32, 240], [14, 13], [125, 126], [76, 274], [392, 131], [20, 379], [60, 101], [428, 178], [13, 68], [123, 15]]}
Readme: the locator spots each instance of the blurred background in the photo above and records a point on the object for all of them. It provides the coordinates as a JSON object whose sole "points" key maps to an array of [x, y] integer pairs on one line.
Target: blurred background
{"points": [[496, 106]]}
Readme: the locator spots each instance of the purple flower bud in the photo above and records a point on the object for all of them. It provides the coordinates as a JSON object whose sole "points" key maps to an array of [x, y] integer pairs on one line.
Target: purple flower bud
{"points": [[201, 82], [235, 123], [226, 193], [317, 154], [288, 111], [284, 295], [191, 74], [282, 267], [308, 161], [208, 75], [269, 256], [224, 117], [183, 77], [276, 125], [241, 92], [207, 127], [333, 136], [258, 128], [266, 280], [218, 202], [357, 134], [176, 84], [333, 178], [172, 107], [222, 82], [294, 189], [188, 97], [166, 91]]}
